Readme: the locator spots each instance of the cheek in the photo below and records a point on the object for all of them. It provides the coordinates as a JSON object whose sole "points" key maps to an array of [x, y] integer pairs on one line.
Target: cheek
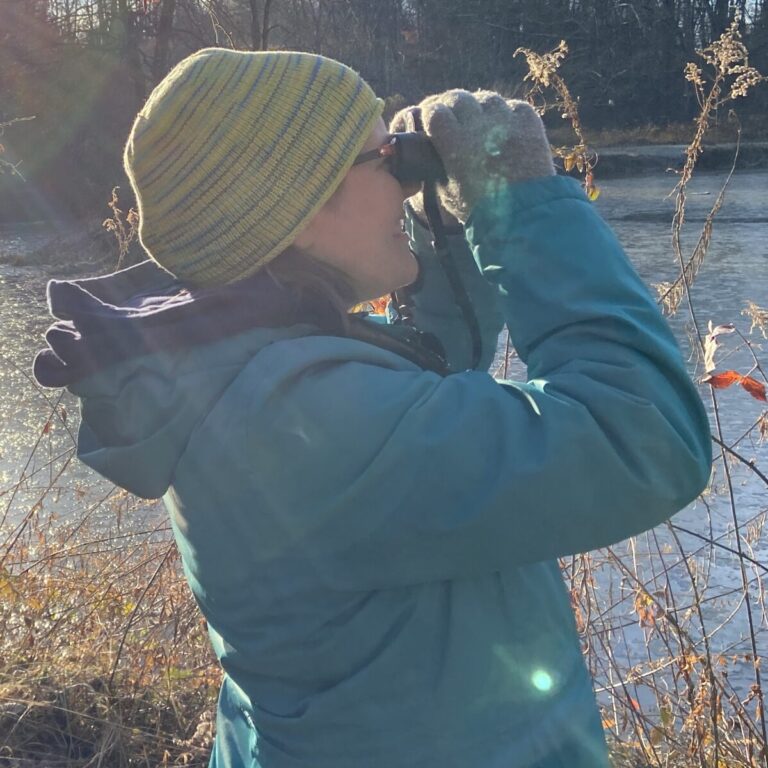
{"points": [[391, 200]]}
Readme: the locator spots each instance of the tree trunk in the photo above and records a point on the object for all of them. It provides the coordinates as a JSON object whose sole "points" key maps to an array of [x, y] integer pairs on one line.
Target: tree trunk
{"points": [[255, 25], [128, 41], [265, 28], [163, 39], [260, 28]]}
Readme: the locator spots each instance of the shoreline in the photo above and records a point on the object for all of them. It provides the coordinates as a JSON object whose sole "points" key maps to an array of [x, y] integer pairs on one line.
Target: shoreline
{"points": [[613, 161], [639, 160]]}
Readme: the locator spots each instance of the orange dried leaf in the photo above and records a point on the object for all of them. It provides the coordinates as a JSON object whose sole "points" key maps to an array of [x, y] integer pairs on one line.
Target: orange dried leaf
{"points": [[754, 387], [569, 161], [379, 306], [722, 380]]}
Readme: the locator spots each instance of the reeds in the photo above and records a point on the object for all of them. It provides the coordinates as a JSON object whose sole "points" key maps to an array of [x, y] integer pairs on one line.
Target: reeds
{"points": [[651, 612], [6, 166], [104, 658]]}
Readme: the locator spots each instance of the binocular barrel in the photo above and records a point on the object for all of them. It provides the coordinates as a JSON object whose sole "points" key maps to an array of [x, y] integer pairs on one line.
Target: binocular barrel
{"points": [[414, 159]]}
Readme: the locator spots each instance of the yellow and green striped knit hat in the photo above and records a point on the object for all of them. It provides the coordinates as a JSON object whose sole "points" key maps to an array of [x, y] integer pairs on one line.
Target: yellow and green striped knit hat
{"points": [[234, 152]]}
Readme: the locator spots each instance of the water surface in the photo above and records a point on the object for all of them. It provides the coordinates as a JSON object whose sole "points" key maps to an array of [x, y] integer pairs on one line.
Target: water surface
{"points": [[640, 210]]}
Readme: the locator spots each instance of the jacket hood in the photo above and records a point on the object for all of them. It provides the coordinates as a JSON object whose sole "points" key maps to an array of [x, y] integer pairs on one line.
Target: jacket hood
{"points": [[144, 309], [148, 359]]}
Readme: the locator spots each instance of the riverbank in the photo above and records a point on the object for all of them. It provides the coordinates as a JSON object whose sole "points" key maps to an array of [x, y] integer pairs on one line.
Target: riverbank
{"points": [[73, 245], [65, 249], [636, 160]]}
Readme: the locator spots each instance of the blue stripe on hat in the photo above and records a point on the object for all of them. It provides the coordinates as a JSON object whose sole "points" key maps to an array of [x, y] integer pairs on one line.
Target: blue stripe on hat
{"points": [[215, 174], [181, 147]]}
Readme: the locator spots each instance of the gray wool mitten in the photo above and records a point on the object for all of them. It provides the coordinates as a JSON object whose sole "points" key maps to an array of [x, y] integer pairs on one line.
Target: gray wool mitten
{"points": [[484, 142]]}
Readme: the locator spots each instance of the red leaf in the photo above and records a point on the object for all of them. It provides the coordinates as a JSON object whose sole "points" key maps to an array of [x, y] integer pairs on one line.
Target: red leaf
{"points": [[726, 378], [754, 387], [47, 427], [722, 380]]}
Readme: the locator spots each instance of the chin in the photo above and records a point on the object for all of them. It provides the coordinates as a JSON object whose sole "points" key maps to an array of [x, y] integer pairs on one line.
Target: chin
{"points": [[380, 286]]}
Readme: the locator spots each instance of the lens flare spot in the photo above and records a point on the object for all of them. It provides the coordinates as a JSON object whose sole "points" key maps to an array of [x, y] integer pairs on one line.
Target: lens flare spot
{"points": [[495, 140], [542, 680]]}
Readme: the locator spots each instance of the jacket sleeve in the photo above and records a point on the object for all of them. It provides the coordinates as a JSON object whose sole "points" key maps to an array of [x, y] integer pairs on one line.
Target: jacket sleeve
{"points": [[434, 308], [384, 475]]}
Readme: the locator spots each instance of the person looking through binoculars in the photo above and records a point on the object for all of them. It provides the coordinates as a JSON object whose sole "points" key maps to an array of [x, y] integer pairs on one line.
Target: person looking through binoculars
{"points": [[369, 522]]}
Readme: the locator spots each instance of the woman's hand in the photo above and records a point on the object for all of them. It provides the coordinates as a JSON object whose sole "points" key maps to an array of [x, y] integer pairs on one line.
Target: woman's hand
{"points": [[484, 141]]}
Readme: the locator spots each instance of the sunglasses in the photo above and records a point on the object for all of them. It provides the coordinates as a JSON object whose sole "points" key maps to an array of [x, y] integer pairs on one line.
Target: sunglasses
{"points": [[387, 150]]}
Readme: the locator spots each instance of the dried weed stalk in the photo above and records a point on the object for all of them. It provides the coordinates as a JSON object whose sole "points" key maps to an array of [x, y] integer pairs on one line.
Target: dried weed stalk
{"points": [[730, 78], [125, 227], [105, 659], [5, 165], [544, 79], [672, 693], [759, 318]]}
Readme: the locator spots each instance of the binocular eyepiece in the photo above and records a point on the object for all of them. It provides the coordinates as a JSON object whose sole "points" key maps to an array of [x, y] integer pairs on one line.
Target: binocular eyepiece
{"points": [[412, 158]]}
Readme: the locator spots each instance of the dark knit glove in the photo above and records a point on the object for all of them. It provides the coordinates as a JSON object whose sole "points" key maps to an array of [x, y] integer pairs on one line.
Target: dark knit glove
{"points": [[485, 142]]}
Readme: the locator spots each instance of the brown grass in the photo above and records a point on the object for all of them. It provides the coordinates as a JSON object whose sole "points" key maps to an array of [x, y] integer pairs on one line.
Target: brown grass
{"points": [[105, 659]]}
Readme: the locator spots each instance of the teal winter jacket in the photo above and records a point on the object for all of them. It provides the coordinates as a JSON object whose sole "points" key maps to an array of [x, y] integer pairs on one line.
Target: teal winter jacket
{"points": [[375, 546]]}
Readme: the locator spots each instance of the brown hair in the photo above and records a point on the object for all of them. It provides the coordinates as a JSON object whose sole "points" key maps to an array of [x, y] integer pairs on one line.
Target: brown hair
{"points": [[310, 280]]}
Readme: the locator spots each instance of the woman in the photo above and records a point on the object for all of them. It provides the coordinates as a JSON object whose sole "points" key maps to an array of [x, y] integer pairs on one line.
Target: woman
{"points": [[371, 539]]}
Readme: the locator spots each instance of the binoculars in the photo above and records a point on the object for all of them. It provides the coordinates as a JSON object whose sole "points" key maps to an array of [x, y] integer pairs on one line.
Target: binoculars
{"points": [[412, 158]]}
